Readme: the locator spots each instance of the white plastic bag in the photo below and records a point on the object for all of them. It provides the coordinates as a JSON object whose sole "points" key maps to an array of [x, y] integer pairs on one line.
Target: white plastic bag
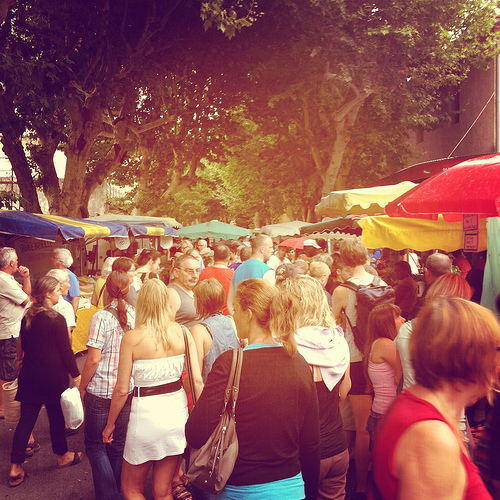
{"points": [[72, 408]]}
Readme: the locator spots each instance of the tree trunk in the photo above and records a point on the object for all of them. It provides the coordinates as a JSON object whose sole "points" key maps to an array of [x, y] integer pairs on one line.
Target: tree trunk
{"points": [[43, 155], [13, 148], [12, 130], [86, 124], [343, 125]]}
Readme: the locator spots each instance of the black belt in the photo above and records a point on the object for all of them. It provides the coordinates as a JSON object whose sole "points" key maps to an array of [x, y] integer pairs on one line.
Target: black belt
{"points": [[157, 389]]}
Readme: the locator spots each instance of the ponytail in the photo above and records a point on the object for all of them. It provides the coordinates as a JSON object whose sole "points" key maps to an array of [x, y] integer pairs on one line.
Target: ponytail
{"points": [[117, 286]]}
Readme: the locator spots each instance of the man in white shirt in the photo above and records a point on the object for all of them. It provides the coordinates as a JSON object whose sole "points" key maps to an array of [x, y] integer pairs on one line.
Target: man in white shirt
{"points": [[13, 299], [278, 258]]}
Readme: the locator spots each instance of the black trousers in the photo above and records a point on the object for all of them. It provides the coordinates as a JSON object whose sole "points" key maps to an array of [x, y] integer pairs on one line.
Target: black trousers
{"points": [[29, 415]]}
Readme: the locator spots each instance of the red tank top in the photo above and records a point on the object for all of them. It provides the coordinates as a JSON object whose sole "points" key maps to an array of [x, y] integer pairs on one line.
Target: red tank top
{"points": [[408, 410]]}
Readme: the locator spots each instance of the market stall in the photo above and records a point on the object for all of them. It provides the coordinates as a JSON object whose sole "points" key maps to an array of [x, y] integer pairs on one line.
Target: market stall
{"points": [[213, 229], [363, 201]]}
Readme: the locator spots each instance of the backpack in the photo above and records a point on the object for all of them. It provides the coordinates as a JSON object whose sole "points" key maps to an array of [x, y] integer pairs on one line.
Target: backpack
{"points": [[367, 297]]}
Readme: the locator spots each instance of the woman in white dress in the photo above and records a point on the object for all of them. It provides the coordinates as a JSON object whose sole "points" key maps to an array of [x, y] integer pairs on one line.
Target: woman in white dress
{"points": [[153, 355]]}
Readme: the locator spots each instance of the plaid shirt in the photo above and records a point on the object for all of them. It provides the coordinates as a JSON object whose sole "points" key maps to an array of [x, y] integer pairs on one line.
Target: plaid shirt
{"points": [[105, 334]]}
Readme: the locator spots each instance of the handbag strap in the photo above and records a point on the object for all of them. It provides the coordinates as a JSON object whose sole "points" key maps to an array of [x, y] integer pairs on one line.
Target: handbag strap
{"points": [[188, 364], [236, 384], [233, 381]]}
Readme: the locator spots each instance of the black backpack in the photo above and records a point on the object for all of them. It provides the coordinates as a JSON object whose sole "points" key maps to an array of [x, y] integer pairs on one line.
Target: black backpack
{"points": [[367, 297]]}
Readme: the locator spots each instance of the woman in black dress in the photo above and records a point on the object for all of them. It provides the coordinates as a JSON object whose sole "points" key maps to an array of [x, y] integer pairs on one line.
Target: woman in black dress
{"points": [[47, 360]]}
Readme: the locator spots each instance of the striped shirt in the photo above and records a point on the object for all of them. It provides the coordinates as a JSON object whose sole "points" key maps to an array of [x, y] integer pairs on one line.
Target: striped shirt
{"points": [[105, 334]]}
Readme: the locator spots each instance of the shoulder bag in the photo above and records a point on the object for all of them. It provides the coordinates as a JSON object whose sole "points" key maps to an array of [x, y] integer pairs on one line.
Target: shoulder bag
{"points": [[189, 367], [213, 463]]}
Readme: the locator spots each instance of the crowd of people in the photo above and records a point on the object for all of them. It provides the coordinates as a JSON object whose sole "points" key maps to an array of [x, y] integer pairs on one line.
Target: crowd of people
{"points": [[328, 380]]}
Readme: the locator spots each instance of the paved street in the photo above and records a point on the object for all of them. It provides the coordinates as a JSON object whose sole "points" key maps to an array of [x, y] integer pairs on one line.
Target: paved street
{"points": [[46, 481]]}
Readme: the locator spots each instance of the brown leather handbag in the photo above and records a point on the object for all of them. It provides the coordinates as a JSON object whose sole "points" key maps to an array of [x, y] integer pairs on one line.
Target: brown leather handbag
{"points": [[212, 464]]}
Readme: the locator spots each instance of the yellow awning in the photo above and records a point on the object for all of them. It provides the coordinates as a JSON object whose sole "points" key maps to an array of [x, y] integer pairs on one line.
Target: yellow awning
{"points": [[369, 201], [399, 233]]}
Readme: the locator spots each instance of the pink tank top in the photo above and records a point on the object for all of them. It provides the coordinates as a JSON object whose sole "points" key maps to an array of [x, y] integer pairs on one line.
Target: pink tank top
{"points": [[384, 386]]}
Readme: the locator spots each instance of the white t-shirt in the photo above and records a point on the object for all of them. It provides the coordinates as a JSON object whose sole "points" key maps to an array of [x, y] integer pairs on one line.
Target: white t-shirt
{"points": [[274, 262], [66, 309], [11, 310]]}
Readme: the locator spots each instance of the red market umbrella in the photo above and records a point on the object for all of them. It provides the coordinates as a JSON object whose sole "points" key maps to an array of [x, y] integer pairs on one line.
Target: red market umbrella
{"points": [[471, 187], [297, 243]]}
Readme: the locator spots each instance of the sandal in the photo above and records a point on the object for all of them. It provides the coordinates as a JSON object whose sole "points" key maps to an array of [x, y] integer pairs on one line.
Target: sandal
{"points": [[180, 492], [76, 460], [31, 449], [17, 480]]}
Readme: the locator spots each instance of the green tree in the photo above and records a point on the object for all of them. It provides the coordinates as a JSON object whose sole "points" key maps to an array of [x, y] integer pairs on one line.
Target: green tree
{"points": [[89, 59], [337, 71]]}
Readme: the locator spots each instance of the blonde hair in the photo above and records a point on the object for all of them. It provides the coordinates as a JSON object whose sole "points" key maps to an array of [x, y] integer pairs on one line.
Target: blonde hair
{"points": [[318, 269], [275, 311], [313, 305], [153, 311], [455, 340]]}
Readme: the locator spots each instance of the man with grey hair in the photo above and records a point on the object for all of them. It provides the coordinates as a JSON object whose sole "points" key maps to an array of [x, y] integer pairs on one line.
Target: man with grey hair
{"points": [[13, 299], [63, 307], [62, 259], [436, 265]]}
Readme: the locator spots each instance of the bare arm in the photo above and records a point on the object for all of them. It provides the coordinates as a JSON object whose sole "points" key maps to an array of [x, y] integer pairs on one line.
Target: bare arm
{"points": [[175, 300], [230, 299], [339, 300], [345, 385], [25, 274], [75, 303], [121, 391], [89, 368], [203, 342], [197, 380], [93, 300], [427, 463], [389, 353]]}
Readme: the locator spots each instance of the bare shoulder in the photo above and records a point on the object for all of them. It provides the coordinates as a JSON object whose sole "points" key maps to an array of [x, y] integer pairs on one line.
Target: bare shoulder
{"points": [[340, 294], [430, 451]]}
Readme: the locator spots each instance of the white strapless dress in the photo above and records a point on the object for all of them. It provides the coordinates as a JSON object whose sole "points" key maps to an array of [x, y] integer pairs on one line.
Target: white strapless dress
{"points": [[156, 425]]}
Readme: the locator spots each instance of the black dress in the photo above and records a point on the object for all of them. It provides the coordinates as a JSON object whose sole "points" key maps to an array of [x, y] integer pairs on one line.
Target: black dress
{"points": [[48, 359]]}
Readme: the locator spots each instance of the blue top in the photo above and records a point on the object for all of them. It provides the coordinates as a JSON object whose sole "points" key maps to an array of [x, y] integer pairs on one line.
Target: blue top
{"points": [[74, 287], [251, 268], [224, 338], [291, 488]]}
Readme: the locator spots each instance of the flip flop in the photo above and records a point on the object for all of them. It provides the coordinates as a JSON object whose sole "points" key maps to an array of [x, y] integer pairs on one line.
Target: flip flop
{"points": [[180, 492], [31, 449], [17, 480], [76, 460]]}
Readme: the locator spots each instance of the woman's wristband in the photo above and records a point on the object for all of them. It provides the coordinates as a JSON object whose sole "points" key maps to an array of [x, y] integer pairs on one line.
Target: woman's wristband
{"points": [[77, 378]]}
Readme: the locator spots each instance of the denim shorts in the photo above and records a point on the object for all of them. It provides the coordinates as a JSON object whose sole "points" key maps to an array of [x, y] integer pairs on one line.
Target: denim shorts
{"points": [[8, 356]]}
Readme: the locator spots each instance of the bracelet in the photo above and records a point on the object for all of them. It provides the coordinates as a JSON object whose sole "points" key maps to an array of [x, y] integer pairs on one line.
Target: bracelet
{"points": [[77, 378]]}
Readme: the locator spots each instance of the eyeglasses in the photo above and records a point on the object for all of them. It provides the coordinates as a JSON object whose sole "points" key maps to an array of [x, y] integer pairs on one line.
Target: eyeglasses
{"points": [[133, 271], [191, 272]]}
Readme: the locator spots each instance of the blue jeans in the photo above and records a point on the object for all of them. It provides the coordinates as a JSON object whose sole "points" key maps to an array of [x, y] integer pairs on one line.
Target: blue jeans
{"points": [[106, 459], [199, 494]]}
